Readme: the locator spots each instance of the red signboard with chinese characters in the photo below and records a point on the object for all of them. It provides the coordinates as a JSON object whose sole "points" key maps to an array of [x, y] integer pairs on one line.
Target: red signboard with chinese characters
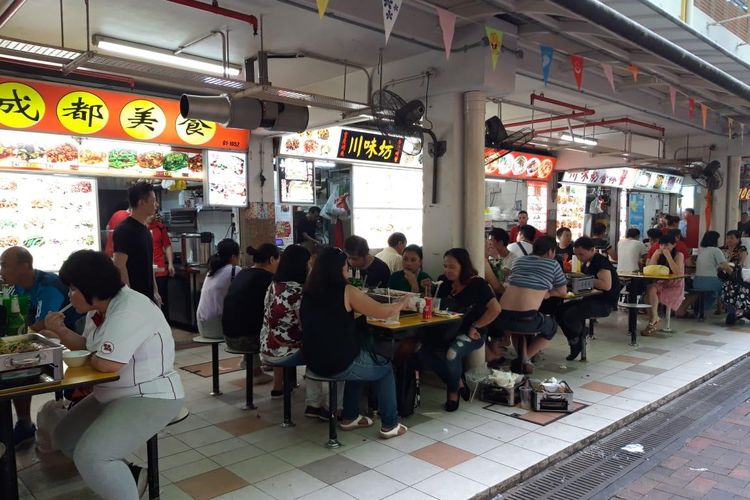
{"points": [[517, 165], [31, 106]]}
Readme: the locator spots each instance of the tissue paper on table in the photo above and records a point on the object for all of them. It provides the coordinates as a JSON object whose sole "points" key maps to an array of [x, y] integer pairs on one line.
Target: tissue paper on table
{"points": [[504, 379]]}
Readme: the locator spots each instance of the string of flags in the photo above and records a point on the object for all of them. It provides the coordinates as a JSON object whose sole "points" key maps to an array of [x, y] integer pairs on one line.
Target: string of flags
{"points": [[447, 21]]}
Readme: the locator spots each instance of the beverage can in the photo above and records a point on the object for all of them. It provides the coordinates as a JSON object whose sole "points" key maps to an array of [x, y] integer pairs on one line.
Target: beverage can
{"points": [[427, 311]]}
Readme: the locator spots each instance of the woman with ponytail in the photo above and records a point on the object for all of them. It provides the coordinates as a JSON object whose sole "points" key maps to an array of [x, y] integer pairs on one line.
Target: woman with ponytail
{"points": [[222, 267]]}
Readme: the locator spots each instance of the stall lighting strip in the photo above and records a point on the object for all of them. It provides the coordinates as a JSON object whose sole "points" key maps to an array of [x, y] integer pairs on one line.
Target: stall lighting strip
{"points": [[39, 50], [578, 139]]}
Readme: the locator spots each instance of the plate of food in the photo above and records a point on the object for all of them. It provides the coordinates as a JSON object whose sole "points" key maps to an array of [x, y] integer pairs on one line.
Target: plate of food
{"points": [[519, 165], [63, 153], [90, 158], [532, 167], [150, 160], [122, 158], [175, 161]]}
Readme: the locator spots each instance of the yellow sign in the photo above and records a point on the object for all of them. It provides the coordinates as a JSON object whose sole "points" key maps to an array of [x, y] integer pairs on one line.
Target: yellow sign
{"points": [[195, 131], [20, 105], [82, 112], [143, 119]]}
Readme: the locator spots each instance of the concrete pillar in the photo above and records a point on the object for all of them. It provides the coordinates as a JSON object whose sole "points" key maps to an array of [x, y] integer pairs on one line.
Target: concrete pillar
{"points": [[473, 168]]}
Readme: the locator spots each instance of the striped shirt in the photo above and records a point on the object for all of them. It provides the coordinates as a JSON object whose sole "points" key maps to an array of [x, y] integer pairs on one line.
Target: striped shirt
{"points": [[536, 273]]}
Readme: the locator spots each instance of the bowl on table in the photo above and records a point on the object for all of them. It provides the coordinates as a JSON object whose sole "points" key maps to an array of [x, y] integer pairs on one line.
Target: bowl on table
{"points": [[75, 358]]}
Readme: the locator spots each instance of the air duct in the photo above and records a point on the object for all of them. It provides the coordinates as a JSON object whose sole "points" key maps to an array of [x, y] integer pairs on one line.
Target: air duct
{"points": [[245, 112]]}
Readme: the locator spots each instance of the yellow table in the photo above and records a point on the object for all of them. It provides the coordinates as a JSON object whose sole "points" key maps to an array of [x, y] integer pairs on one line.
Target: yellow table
{"points": [[72, 378], [413, 321]]}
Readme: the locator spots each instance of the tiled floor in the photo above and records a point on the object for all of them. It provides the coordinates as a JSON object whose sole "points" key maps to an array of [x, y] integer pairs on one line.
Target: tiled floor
{"points": [[225, 452]]}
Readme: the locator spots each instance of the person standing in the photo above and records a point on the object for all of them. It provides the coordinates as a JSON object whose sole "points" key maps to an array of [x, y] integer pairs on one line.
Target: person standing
{"points": [[46, 294], [744, 224], [523, 219], [564, 249], [133, 244], [163, 259], [391, 255], [371, 270], [307, 229], [689, 212], [119, 215]]}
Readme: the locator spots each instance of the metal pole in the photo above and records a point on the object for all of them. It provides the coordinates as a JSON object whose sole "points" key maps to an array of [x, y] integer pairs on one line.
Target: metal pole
{"points": [[193, 42]]}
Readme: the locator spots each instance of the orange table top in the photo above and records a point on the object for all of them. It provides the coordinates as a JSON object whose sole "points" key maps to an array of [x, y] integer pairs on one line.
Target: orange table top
{"points": [[643, 276], [73, 377], [414, 321]]}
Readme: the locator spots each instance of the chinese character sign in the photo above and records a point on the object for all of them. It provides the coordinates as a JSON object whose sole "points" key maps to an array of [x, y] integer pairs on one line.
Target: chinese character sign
{"points": [[20, 105], [143, 119], [82, 112], [194, 131], [355, 145]]}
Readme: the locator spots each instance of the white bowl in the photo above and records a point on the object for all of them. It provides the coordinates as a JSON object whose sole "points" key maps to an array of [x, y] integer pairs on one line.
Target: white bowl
{"points": [[75, 358]]}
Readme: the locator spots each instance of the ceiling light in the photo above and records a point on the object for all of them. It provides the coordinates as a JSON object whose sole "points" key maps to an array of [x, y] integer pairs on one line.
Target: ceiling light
{"points": [[499, 181], [578, 139], [11, 45], [140, 51], [31, 60]]}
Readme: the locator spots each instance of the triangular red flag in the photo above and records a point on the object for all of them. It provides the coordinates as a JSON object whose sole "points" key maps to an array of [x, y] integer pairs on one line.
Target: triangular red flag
{"points": [[704, 114], [447, 26], [691, 108], [577, 62], [673, 98]]}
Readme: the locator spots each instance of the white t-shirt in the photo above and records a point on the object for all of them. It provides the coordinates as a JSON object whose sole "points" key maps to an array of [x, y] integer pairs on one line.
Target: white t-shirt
{"points": [[392, 259], [136, 333], [707, 263], [515, 248], [213, 292], [629, 253]]}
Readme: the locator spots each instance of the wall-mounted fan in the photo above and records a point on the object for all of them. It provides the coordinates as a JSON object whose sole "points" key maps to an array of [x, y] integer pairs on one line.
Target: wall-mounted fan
{"points": [[709, 176]]}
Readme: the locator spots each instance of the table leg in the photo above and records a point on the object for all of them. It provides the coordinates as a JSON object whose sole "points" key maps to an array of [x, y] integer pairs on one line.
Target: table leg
{"points": [[8, 477], [633, 315], [215, 369], [249, 369], [668, 322]]}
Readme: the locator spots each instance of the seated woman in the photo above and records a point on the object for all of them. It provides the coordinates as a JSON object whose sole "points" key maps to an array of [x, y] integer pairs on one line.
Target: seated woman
{"points": [[412, 278], [222, 268], [281, 334], [710, 258], [128, 335], [333, 347], [465, 292], [535, 277], [734, 293], [667, 292]]}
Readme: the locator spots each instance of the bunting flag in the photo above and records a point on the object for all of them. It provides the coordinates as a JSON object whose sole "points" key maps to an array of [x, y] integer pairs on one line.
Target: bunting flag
{"points": [[322, 6], [691, 108], [391, 9], [633, 70], [577, 62], [448, 26], [548, 55], [730, 122], [607, 68], [704, 114], [673, 98], [495, 37]]}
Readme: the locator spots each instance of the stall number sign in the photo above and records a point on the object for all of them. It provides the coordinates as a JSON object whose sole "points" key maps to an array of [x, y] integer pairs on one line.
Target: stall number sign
{"points": [[364, 146], [62, 109], [745, 193]]}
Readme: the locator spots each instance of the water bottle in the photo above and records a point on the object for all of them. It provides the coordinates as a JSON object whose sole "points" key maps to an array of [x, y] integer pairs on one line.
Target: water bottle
{"points": [[16, 321]]}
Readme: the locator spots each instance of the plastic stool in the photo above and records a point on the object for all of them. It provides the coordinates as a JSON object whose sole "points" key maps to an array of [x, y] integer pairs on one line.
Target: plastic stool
{"points": [[333, 441], [249, 405]]}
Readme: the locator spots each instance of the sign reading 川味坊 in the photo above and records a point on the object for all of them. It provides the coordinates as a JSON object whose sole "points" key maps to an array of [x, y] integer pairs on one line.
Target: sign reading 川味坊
{"points": [[357, 145], [61, 109]]}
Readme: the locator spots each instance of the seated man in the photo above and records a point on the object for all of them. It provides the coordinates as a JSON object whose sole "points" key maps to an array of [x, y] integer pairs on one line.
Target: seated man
{"points": [[499, 260], [534, 278], [572, 316], [373, 272], [524, 244], [601, 243]]}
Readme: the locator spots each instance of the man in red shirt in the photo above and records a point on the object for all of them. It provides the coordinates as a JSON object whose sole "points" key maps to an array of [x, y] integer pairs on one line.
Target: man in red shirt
{"points": [[680, 246], [523, 219], [163, 257], [114, 221]]}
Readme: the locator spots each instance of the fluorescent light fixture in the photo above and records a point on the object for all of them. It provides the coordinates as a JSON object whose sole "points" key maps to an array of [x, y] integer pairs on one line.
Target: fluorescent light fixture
{"points": [[499, 181], [31, 60], [9, 44], [163, 56], [324, 164], [578, 139]]}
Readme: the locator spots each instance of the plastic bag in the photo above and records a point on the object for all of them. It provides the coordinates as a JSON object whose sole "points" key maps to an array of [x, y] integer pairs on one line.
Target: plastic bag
{"points": [[656, 270], [49, 416], [337, 206]]}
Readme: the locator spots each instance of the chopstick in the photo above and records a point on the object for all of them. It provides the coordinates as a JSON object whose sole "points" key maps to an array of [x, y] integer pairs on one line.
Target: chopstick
{"points": [[65, 308]]}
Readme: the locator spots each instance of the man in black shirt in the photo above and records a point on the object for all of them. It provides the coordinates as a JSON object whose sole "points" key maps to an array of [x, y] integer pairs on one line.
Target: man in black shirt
{"points": [[572, 316], [601, 243], [371, 270], [133, 245], [564, 248], [307, 228]]}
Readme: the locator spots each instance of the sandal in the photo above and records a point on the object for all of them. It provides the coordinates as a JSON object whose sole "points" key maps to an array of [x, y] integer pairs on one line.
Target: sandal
{"points": [[358, 423], [399, 430], [650, 330]]}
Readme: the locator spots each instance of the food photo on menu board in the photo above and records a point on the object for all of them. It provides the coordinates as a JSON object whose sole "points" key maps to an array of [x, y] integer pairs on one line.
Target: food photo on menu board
{"points": [[321, 143], [296, 183], [499, 163], [51, 216], [227, 179]]}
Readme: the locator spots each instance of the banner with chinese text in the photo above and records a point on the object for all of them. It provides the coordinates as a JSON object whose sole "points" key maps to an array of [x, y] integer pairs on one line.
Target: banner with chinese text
{"points": [[355, 145], [63, 109], [517, 165]]}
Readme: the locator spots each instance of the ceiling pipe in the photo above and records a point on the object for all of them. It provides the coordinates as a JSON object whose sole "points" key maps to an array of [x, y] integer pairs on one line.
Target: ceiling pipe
{"points": [[10, 11], [609, 19], [579, 112], [215, 9], [603, 123]]}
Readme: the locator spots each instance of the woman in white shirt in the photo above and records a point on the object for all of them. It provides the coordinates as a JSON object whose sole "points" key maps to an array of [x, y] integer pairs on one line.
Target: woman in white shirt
{"points": [[126, 334], [222, 267]]}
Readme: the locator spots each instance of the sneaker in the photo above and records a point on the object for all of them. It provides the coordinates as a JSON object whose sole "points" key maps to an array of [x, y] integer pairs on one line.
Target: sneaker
{"points": [[277, 394], [312, 412], [141, 478], [23, 434]]}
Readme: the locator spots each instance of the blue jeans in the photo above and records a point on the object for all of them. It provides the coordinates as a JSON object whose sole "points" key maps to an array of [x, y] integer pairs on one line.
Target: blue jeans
{"points": [[711, 286], [368, 367], [450, 367]]}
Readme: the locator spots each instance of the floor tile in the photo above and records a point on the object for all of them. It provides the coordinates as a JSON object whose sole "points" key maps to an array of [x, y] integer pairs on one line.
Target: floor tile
{"points": [[179, 459], [565, 432], [372, 454], [410, 494], [464, 419], [288, 438], [437, 430], [710, 343], [628, 359], [606, 412], [170, 445], [603, 387], [442, 455], [334, 469], [623, 403], [473, 442], [649, 370], [304, 452], [702, 333], [652, 350], [409, 442], [247, 452], [172, 492], [514, 456], [501, 431], [588, 396], [189, 424], [211, 484], [225, 446], [539, 443], [246, 493], [589, 422], [190, 470], [370, 485], [450, 486], [484, 471], [203, 436], [243, 425], [409, 470], [260, 468], [290, 485], [328, 493]]}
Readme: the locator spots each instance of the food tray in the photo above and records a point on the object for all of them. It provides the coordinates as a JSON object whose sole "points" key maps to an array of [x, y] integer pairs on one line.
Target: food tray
{"points": [[578, 282], [491, 393], [48, 355], [561, 401]]}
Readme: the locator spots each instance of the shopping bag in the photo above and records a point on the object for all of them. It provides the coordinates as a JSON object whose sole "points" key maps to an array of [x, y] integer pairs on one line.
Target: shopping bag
{"points": [[46, 421]]}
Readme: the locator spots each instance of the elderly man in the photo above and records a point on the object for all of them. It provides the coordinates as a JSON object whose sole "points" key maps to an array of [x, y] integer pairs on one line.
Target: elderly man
{"points": [[46, 294], [392, 254]]}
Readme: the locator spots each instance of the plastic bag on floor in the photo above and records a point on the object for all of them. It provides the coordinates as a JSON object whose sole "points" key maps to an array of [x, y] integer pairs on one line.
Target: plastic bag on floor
{"points": [[46, 421]]}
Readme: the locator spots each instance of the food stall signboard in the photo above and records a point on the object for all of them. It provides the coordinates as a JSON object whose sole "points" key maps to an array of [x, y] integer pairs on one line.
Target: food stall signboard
{"points": [[518, 165], [227, 179], [621, 178], [745, 193], [64, 109], [659, 181], [367, 146], [571, 208], [296, 181]]}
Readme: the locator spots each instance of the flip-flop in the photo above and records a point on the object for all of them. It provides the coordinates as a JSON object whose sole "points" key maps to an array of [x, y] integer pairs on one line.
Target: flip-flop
{"points": [[356, 423], [399, 430]]}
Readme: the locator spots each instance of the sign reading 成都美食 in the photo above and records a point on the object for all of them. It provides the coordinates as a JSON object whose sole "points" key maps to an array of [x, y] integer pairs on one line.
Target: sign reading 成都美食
{"points": [[34, 106]]}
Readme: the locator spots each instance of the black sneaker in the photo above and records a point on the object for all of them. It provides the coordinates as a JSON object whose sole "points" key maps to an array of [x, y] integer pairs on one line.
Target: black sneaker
{"points": [[312, 412], [277, 394], [141, 478]]}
